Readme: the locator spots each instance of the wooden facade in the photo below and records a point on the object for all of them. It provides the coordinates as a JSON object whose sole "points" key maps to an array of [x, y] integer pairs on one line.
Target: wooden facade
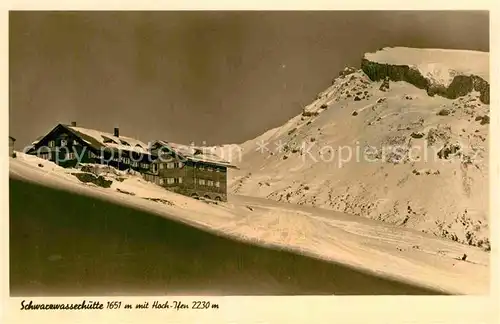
{"points": [[67, 148], [160, 163]]}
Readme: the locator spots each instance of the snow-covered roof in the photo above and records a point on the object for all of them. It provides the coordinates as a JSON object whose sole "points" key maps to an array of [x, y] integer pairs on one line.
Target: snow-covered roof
{"points": [[100, 140], [103, 139], [38, 139], [195, 153], [438, 65]]}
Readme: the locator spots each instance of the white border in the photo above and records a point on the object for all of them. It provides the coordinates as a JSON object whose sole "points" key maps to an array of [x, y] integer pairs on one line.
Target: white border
{"points": [[400, 309]]}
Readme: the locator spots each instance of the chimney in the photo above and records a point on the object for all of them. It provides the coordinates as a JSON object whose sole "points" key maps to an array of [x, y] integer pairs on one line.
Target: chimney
{"points": [[73, 123], [117, 132]]}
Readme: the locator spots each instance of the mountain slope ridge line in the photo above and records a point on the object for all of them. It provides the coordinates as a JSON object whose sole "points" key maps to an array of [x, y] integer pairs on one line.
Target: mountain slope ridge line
{"points": [[442, 142]]}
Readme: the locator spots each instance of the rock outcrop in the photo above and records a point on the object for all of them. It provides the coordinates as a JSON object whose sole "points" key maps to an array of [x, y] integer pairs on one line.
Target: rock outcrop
{"points": [[459, 87]]}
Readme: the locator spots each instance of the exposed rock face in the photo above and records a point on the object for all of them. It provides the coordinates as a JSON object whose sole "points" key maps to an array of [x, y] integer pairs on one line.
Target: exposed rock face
{"points": [[385, 86], [460, 86], [483, 88]]}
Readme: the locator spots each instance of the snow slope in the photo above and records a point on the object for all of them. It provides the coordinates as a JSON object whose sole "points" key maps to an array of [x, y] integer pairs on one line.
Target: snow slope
{"points": [[394, 154], [380, 248]]}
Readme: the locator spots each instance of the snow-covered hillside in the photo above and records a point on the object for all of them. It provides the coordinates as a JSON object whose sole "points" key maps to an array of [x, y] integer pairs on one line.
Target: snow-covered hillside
{"points": [[385, 150], [379, 248]]}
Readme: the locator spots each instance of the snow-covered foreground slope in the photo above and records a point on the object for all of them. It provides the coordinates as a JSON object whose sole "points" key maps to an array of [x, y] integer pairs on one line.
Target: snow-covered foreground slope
{"points": [[375, 246], [382, 150]]}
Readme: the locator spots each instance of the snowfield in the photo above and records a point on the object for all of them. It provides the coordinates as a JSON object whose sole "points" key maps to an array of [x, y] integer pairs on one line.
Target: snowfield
{"points": [[439, 65], [375, 246]]}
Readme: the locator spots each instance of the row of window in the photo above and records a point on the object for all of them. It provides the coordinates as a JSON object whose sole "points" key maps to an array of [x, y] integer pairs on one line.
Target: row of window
{"points": [[72, 156], [152, 178], [207, 168], [201, 182], [134, 164], [170, 180], [67, 156], [161, 181], [209, 183], [171, 165], [64, 142], [44, 156]]}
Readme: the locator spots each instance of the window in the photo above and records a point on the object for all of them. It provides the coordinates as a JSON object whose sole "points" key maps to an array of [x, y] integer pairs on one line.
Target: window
{"points": [[52, 143], [144, 165], [150, 178], [126, 160], [217, 184], [210, 169], [217, 170], [201, 167], [108, 140], [210, 183], [170, 165], [162, 165], [70, 156], [154, 167], [179, 180], [124, 143], [44, 156], [180, 164], [201, 182], [135, 164], [170, 180], [163, 153], [75, 142]]}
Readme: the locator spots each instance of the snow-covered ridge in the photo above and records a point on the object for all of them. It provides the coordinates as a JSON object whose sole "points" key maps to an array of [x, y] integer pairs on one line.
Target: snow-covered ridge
{"points": [[453, 72], [437, 64], [301, 161]]}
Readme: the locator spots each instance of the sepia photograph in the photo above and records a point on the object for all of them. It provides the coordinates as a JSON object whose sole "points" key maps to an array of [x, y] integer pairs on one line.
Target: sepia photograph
{"points": [[248, 153]]}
